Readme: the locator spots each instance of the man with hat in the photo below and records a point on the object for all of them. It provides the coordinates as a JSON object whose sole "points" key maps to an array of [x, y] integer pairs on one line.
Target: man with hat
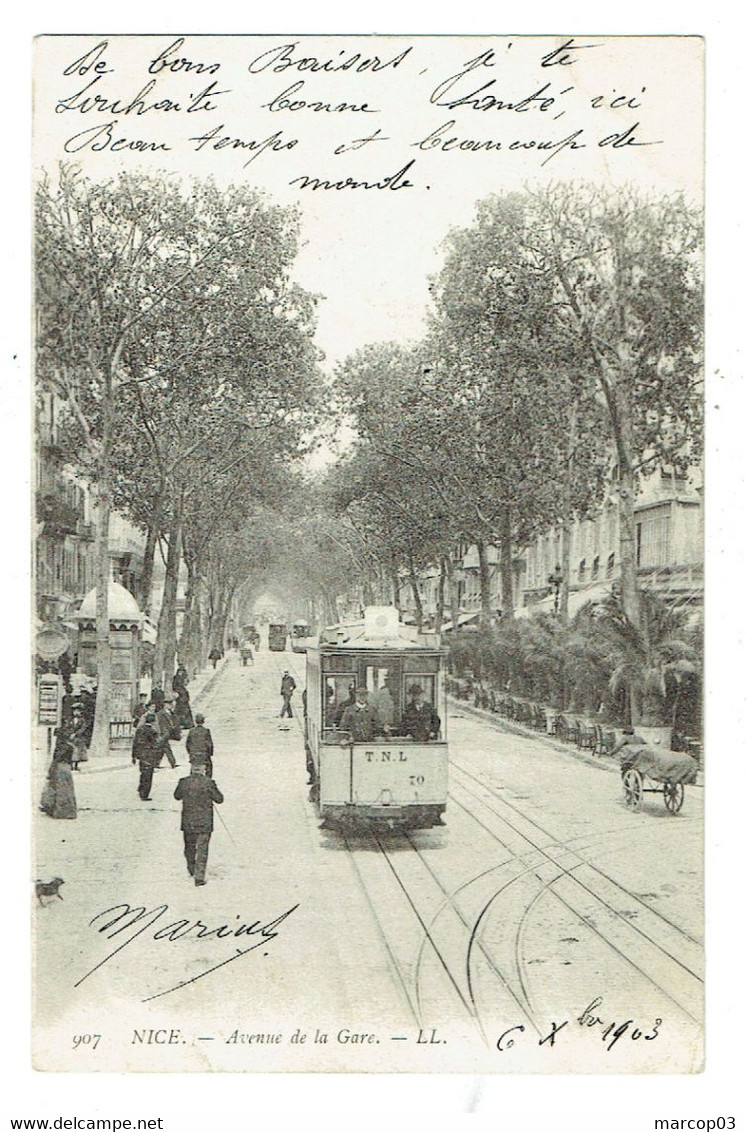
{"points": [[287, 687], [359, 720], [146, 752], [197, 794], [199, 744], [419, 720], [167, 728]]}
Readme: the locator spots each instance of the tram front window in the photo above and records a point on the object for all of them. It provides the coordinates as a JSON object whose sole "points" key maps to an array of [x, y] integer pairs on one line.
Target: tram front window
{"points": [[384, 683]]}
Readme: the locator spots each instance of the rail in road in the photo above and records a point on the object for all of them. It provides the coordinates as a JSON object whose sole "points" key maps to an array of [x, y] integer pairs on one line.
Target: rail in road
{"points": [[471, 937]]}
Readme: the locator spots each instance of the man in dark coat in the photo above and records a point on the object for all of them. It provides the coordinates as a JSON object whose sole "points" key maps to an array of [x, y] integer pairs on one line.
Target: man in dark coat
{"points": [[140, 709], [359, 721], [287, 687], [342, 707], [199, 744], [145, 752], [420, 720], [166, 729], [197, 794]]}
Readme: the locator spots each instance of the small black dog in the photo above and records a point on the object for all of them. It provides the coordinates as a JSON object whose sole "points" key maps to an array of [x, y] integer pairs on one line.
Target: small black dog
{"points": [[48, 888]]}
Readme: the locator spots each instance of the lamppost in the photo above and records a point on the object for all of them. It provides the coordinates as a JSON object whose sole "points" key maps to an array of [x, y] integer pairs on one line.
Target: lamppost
{"points": [[555, 580]]}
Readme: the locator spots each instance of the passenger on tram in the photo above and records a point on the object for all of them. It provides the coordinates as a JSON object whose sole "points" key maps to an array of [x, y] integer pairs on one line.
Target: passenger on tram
{"points": [[330, 705], [420, 720], [358, 721], [342, 707], [382, 704]]}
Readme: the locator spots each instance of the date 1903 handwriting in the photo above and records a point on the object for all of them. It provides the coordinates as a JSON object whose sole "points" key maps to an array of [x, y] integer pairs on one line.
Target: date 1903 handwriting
{"points": [[610, 1031]]}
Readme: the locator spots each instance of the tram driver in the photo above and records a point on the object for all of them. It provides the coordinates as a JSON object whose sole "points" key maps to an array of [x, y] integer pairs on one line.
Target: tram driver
{"points": [[358, 720]]}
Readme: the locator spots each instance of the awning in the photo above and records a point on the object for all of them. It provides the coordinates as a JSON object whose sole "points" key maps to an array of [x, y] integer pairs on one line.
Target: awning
{"points": [[596, 592], [464, 619]]}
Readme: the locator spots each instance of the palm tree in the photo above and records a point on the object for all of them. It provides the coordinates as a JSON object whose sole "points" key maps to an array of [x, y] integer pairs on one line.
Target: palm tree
{"points": [[650, 661]]}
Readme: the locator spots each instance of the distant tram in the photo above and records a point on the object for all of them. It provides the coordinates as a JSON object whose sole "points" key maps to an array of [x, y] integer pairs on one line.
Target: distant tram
{"points": [[299, 634], [278, 636], [397, 774]]}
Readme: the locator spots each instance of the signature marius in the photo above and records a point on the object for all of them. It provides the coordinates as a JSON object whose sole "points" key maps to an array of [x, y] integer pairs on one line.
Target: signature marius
{"points": [[137, 921]]}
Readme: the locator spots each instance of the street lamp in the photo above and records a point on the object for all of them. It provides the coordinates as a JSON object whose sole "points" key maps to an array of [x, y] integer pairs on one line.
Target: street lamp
{"points": [[555, 580]]}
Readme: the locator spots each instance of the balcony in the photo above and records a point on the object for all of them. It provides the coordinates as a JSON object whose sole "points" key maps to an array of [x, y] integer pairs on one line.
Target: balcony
{"points": [[58, 516]]}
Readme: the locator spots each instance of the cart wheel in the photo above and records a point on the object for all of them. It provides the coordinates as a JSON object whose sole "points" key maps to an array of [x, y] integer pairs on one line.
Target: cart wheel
{"points": [[633, 788], [673, 796]]}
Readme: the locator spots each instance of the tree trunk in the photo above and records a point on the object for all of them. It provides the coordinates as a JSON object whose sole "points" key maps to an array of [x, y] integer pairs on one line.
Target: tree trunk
{"points": [[151, 542], [615, 388], [506, 562], [565, 566], [204, 622], [214, 605], [415, 593], [165, 649], [485, 583], [100, 737], [440, 596], [452, 591], [395, 587], [222, 619], [188, 643]]}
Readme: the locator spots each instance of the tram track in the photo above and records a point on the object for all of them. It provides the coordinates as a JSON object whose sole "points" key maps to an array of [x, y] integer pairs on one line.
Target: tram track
{"points": [[671, 956], [458, 934]]}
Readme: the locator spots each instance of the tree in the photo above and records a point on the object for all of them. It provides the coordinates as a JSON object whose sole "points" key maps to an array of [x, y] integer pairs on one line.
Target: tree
{"points": [[520, 430], [139, 285], [649, 658], [626, 275]]}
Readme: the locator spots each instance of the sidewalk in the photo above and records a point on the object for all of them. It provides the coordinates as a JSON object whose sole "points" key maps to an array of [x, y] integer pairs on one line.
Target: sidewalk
{"points": [[120, 756], [511, 726]]}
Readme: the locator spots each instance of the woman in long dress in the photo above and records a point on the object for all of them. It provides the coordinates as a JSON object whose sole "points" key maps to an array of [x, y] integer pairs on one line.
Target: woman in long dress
{"points": [[58, 796], [182, 709]]}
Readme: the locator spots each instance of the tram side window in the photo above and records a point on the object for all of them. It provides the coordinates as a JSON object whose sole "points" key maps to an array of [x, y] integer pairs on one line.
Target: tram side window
{"points": [[339, 692]]}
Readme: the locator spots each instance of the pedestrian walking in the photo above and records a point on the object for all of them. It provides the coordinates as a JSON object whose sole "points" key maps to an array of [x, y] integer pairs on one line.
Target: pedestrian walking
{"points": [[167, 730], [79, 739], [214, 656], [287, 687], [199, 744], [182, 708], [197, 793], [146, 752], [140, 709]]}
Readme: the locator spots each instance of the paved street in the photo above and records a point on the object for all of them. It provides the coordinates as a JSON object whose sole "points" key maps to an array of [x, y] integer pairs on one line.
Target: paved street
{"points": [[542, 900]]}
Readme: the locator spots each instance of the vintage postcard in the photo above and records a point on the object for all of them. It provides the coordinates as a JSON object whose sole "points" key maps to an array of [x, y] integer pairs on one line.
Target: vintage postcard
{"points": [[368, 554]]}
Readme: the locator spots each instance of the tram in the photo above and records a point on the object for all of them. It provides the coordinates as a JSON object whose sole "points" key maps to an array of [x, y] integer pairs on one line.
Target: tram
{"points": [[299, 634], [379, 677], [278, 636]]}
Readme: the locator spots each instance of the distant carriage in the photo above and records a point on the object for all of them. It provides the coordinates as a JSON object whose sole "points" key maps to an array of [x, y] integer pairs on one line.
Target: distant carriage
{"points": [[278, 636], [299, 634], [392, 778]]}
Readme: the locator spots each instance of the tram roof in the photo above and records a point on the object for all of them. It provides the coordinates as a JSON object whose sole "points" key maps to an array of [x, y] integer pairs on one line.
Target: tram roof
{"points": [[353, 637]]}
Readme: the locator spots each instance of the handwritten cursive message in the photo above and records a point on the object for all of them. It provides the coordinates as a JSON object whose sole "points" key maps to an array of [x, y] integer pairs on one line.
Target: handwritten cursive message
{"points": [[364, 115]]}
